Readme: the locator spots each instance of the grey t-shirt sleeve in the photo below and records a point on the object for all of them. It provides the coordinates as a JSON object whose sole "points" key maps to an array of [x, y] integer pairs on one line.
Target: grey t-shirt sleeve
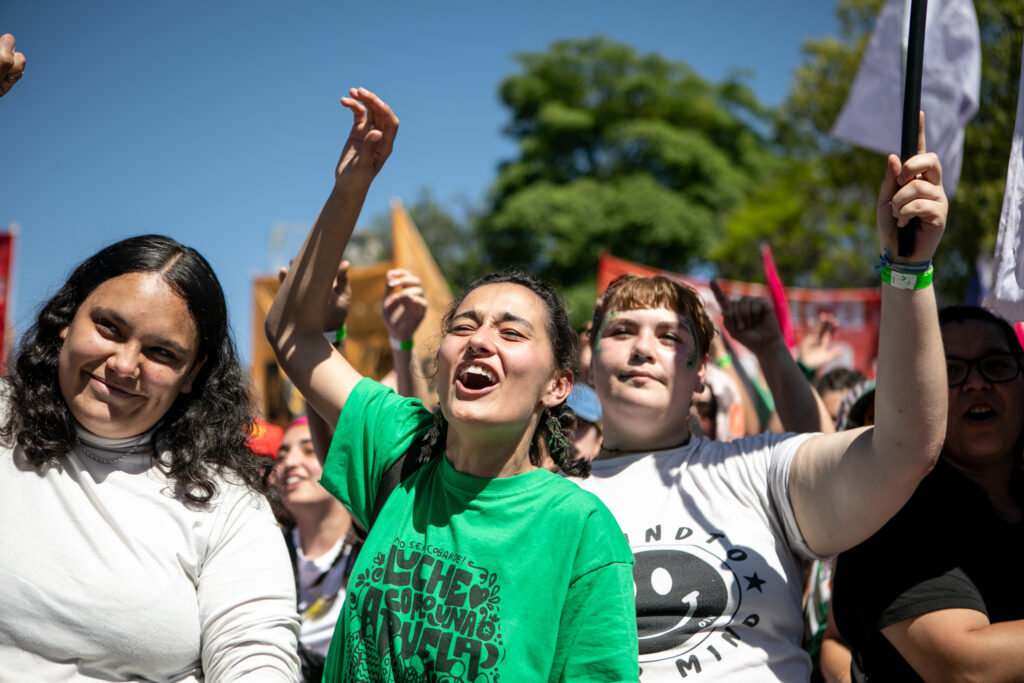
{"points": [[783, 448]]}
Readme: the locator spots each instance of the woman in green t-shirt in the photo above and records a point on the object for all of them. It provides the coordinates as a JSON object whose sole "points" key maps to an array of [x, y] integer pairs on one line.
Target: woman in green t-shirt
{"points": [[481, 565]]}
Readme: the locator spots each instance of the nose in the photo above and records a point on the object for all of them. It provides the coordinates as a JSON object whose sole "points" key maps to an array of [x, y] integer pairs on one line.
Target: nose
{"points": [[974, 379], [643, 346], [125, 360], [480, 342]]}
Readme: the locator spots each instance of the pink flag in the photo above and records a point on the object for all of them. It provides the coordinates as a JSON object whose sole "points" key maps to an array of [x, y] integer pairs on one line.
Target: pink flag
{"points": [[778, 294]]}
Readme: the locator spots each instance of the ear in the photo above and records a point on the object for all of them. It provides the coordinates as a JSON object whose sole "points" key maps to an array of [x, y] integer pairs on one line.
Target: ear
{"points": [[191, 377], [64, 333], [558, 389]]}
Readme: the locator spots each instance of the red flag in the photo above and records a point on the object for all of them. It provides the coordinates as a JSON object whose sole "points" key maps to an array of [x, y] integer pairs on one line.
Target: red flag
{"points": [[778, 294], [6, 254]]}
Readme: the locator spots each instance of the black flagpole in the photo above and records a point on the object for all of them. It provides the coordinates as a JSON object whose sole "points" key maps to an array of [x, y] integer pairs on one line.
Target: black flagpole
{"points": [[912, 106]]}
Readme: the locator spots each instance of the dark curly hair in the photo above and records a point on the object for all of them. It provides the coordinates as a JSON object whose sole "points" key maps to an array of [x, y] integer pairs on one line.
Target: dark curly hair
{"points": [[555, 443], [206, 428]]}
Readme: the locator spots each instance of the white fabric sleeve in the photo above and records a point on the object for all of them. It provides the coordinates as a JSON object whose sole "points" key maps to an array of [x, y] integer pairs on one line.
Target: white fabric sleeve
{"points": [[778, 488], [246, 595]]}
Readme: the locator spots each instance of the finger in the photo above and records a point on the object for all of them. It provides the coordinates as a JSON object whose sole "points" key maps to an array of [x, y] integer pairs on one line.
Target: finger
{"points": [[357, 109], [384, 120], [928, 212], [916, 191], [921, 147], [6, 54], [721, 297], [341, 279], [282, 274], [889, 185], [925, 166]]}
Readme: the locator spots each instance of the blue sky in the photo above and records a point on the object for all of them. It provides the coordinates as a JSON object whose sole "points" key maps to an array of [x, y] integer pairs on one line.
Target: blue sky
{"points": [[218, 123]]}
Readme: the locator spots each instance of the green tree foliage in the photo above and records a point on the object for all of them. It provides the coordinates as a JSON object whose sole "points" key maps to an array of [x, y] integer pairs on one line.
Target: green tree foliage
{"points": [[818, 213], [622, 152], [448, 234]]}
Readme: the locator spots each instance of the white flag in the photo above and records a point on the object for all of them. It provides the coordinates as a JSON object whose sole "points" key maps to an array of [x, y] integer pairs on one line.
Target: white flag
{"points": [[1007, 295], [950, 81]]}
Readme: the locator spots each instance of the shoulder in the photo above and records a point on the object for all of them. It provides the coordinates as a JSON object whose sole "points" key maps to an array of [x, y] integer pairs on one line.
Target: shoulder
{"points": [[597, 526]]}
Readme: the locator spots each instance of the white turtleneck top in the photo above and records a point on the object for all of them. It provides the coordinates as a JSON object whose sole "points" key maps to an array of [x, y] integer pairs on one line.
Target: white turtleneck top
{"points": [[105, 575]]}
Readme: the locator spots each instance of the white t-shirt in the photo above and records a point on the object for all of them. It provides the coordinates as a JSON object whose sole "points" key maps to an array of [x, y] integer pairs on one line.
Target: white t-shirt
{"points": [[104, 575], [718, 557]]}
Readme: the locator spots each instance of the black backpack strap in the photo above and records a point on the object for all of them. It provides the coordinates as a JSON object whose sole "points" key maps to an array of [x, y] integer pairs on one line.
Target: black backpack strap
{"points": [[420, 452]]}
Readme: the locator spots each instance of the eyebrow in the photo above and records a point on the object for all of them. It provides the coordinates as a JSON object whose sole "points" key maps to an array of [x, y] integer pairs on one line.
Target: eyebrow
{"points": [[159, 341], [506, 317]]}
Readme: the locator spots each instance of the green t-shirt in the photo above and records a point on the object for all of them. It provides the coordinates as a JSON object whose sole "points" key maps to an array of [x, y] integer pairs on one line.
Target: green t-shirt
{"points": [[524, 578]]}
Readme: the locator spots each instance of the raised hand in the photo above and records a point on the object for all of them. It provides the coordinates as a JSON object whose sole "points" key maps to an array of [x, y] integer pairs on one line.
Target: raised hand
{"points": [[371, 139], [912, 190], [339, 300], [12, 64], [750, 320], [815, 349], [404, 304]]}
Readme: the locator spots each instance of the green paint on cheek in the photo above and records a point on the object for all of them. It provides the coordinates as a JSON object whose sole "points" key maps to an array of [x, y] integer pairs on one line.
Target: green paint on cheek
{"points": [[604, 323], [691, 362]]}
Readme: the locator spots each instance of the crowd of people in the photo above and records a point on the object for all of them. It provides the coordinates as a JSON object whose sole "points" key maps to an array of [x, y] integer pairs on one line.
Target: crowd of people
{"points": [[617, 509]]}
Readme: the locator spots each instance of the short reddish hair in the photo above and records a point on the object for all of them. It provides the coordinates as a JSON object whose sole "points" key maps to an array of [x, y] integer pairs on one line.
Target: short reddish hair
{"points": [[635, 291]]}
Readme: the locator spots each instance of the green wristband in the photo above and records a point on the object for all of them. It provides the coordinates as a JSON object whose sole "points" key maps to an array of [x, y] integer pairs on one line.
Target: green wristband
{"points": [[900, 280], [337, 336], [724, 361], [400, 345]]}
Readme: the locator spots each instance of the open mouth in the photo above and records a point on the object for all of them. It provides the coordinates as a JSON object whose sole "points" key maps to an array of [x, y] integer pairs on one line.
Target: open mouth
{"points": [[476, 378], [980, 413]]}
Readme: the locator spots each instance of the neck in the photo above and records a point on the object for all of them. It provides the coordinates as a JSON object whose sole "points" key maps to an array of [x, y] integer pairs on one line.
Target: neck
{"points": [[320, 527], [489, 455], [622, 442], [995, 479]]}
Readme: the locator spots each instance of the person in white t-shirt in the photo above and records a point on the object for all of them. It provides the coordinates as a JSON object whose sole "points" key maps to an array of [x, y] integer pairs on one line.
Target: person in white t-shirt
{"points": [[719, 530]]}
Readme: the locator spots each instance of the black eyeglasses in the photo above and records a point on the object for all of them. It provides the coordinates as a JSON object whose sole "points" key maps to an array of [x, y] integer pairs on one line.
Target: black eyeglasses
{"points": [[996, 367]]}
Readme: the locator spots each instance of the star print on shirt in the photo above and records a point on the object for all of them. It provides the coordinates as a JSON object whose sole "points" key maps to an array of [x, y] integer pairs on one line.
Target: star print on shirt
{"points": [[755, 582]]}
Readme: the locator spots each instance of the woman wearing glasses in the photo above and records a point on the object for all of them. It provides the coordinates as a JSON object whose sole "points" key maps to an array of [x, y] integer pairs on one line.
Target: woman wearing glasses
{"points": [[936, 594]]}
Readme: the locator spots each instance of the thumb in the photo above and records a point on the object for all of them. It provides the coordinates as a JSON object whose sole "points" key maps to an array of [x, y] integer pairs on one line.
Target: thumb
{"points": [[889, 185]]}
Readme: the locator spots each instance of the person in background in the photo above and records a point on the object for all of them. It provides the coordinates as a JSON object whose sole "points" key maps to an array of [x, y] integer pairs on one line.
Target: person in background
{"points": [[934, 595], [587, 435], [834, 386], [322, 540]]}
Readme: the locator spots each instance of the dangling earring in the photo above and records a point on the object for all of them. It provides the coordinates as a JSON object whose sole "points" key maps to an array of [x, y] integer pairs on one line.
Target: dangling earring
{"points": [[557, 443], [432, 435]]}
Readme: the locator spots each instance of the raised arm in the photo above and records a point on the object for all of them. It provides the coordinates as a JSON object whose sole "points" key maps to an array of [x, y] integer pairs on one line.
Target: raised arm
{"points": [[845, 486], [751, 322], [295, 323], [402, 309]]}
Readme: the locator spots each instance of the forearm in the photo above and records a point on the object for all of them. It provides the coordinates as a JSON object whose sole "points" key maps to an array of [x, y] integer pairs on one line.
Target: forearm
{"points": [[794, 398], [911, 391], [298, 308], [939, 651], [403, 372]]}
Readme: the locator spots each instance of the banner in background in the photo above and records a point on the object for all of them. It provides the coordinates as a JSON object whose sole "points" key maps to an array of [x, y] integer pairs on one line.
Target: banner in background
{"points": [[858, 311]]}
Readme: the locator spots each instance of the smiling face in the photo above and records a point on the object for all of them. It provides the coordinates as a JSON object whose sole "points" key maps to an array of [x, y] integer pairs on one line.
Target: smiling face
{"points": [[297, 470], [646, 367], [985, 418], [128, 353], [495, 364]]}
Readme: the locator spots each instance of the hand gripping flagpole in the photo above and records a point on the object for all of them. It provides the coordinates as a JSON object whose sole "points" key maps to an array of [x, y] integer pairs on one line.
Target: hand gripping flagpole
{"points": [[912, 106]]}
